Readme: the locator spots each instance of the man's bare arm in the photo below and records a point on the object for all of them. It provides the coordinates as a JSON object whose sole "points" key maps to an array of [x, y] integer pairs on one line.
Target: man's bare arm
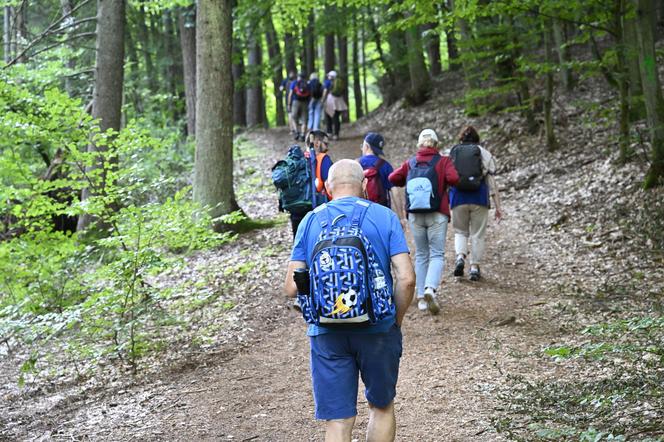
{"points": [[289, 285], [404, 286]]}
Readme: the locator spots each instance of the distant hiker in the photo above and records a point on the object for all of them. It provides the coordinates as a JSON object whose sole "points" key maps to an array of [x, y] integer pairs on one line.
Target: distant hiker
{"points": [[355, 328], [376, 169], [292, 176], [427, 176], [333, 99], [470, 201], [298, 98], [317, 142], [316, 102], [285, 88]]}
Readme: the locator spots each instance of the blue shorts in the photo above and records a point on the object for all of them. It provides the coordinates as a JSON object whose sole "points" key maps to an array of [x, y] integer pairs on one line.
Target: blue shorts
{"points": [[338, 358]]}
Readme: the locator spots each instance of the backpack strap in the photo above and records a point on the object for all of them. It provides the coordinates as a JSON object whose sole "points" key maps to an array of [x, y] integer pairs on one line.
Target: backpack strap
{"points": [[359, 212], [378, 164], [325, 220]]}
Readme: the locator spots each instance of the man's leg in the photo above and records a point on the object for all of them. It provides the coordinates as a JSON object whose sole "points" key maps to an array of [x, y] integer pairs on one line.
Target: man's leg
{"points": [[339, 430], [382, 423]]}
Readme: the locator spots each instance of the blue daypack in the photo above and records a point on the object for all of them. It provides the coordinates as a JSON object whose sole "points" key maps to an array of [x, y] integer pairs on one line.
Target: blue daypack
{"points": [[422, 194], [291, 176], [347, 285]]}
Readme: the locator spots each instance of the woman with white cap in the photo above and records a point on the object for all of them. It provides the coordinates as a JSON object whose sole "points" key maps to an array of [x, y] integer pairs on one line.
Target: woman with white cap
{"points": [[427, 175], [333, 97]]}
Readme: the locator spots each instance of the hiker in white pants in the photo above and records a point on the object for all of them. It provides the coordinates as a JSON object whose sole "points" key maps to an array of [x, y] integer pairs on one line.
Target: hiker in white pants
{"points": [[470, 200]]}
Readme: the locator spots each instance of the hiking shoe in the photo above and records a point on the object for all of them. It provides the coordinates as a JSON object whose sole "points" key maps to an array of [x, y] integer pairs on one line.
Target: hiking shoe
{"points": [[460, 263], [430, 299], [296, 136], [296, 305], [475, 274], [302, 137], [422, 304]]}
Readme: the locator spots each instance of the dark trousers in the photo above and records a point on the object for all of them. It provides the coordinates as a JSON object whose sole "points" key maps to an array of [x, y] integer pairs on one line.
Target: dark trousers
{"points": [[333, 123], [295, 219]]}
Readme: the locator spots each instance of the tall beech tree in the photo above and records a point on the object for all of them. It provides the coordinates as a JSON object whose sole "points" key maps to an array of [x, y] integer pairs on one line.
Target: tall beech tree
{"points": [[187, 25], [213, 166], [109, 76]]}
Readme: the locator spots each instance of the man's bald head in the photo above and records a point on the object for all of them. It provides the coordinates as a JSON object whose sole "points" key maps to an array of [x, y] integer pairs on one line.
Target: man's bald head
{"points": [[345, 179]]}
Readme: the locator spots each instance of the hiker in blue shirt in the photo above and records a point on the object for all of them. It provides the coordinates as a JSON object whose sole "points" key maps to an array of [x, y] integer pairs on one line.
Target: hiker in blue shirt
{"points": [[376, 169], [339, 355], [316, 103], [285, 88]]}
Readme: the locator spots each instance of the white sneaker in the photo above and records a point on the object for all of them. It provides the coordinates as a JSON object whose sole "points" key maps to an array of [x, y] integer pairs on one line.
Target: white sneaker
{"points": [[422, 304], [430, 299]]}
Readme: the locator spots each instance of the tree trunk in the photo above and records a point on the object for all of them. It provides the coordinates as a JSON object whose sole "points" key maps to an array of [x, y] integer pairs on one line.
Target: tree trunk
{"points": [[329, 60], [146, 50], [622, 75], [566, 76], [432, 43], [277, 70], [419, 77], [452, 50], [187, 24], [133, 89], [239, 89], [71, 62], [6, 34], [213, 166], [357, 85], [652, 90], [255, 78], [170, 67], [363, 62], [21, 26], [637, 106], [289, 53], [309, 45], [109, 72], [469, 70], [551, 143], [342, 42]]}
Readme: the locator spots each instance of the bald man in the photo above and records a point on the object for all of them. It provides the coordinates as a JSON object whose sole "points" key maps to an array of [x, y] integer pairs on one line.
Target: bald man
{"points": [[340, 354]]}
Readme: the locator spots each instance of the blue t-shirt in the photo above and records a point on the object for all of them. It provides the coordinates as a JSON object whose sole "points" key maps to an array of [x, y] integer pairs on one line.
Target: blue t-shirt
{"points": [[385, 170], [327, 84], [382, 228], [325, 167], [479, 196]]}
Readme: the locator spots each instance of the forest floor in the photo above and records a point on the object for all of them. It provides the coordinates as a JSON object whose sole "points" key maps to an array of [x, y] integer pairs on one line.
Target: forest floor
{"points": [[254, 384]]}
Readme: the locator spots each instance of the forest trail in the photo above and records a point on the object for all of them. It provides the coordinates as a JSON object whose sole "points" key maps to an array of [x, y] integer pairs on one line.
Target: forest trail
{"points": [[452, 368]]}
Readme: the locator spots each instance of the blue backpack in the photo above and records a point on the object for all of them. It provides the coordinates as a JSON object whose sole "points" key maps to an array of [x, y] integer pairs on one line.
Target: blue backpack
{"points": [[347, 285], [422, 186], [292, 178]]}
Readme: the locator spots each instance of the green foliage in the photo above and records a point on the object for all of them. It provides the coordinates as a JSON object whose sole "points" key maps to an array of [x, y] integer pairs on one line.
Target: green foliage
{"points": [[86, 298]]}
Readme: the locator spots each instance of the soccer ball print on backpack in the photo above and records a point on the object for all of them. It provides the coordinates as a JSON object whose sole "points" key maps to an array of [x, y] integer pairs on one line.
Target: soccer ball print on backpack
{"points": [[422, 195], [292, 178], [467, 159], [347, 285]]}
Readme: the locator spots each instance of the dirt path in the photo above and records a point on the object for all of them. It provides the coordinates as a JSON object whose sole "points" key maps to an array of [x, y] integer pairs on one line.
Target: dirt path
{"points": [[452, 367]]}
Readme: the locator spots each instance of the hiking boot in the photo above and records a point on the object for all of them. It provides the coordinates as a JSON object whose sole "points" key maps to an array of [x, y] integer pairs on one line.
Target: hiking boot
{"points": [[475, 274], [460, 263], [422, 304], [430, 299], [296, 137]]}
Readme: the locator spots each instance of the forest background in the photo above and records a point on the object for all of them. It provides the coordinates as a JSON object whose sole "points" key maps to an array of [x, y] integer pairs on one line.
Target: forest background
{"points": [[122, 122]]}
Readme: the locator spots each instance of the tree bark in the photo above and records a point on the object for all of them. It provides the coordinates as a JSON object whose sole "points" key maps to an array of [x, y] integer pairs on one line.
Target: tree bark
{"points": [[551, 143], [289, 53], [109, 73], [652, 90], [566, 76], [342, 43], [419, 77], [255, 78], [432, 43], [277, 70], [329, 60], [309, 45], [357, 85], [6, 33], [239, 88], [71, 62], [187, 24], [146, 50], [637, 106], [213, 164]]}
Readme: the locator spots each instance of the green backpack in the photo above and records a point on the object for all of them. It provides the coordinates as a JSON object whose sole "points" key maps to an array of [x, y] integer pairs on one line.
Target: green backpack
{"points": [[339, 87], [291, 177]]}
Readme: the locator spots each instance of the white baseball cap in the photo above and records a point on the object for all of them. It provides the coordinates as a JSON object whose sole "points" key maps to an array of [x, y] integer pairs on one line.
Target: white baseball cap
{"points": [[427, 134], [332, 74]]}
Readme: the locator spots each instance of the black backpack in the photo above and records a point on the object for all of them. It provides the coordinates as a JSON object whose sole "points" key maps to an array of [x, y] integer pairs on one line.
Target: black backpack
{"points": [[467, 159], [301, 90], [316, 89]]}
